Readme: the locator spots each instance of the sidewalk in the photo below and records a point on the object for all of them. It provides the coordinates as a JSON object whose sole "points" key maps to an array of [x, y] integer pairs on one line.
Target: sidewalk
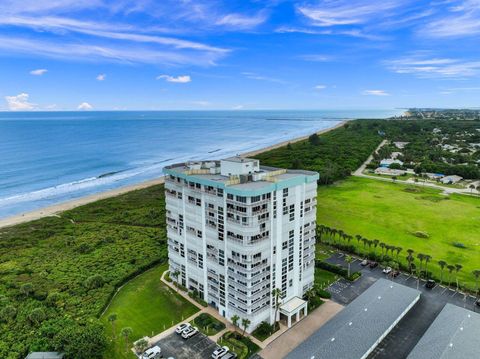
{"points": [[280, 345]]}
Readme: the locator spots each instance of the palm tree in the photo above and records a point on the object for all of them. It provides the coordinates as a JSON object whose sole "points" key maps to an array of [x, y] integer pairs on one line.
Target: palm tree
{"points": [[364, 240], [450, 271], [126, 332], [476, 274], [398, 249], [382, 245], [235, 318], [112, 318], [276, 293], [348, 260], [410, 258], [442, 265], [245, 325], [458, 267], [175, 275], [421, 257], [375, 244], [358, 238], [427, 259]]}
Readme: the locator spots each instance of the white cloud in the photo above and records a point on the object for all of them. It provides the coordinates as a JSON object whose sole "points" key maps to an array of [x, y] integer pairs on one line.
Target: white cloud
{"points": [[375, 93], [85, 106], [434, 67], [255, 76], [316, 58], [111, 52], [462, 19], [327, 13], [38, 72], [320, 87], [240, 21], [238, 107], [178, 79], [19, 102], [101, 77]]}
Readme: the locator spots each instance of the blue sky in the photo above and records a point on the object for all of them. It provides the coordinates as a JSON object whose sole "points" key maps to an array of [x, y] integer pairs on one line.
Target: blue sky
{"points": [[270, 54]]}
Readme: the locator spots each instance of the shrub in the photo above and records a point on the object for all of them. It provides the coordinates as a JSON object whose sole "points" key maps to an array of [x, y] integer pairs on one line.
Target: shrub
{"points": [[263, 331], [459, 245], [95, 281], [323, 293]]}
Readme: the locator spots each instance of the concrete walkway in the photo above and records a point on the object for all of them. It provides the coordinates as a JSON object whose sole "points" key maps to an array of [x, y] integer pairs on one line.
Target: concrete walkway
{"points": [[280, 345]]}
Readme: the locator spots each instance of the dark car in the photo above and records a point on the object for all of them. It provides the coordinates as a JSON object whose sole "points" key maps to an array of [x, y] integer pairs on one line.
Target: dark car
{"points": [[478, 303], [373, 264], [430, 284], [395, 273]]}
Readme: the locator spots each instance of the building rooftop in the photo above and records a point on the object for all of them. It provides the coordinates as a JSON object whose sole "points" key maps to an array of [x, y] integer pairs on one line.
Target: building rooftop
{"points": [[242, 176], [45, 355], [452, 335], [355, 331]]}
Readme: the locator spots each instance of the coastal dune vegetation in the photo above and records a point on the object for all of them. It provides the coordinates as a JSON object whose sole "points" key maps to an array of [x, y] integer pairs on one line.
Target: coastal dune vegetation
{"points": [[57, 274]]}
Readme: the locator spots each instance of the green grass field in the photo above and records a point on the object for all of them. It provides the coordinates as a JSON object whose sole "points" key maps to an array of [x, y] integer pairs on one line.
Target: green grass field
{"points": [[147, 306], [392, 214]]}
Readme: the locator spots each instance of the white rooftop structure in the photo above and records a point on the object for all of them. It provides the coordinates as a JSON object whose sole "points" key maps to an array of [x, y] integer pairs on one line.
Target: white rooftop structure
{"points": [[454, 334], [386, 162], [451, 179], [357, 329]]}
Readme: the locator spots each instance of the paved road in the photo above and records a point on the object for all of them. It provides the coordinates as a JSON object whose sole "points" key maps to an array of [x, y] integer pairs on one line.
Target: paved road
{"points": [[407, 333], [446, 190], [197, 347]]}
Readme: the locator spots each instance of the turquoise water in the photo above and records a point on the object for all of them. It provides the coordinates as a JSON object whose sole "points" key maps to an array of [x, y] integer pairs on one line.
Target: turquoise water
{"points": [[52, 157]]}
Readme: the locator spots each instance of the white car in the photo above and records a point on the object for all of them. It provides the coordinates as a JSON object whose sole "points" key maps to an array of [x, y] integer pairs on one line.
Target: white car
{"points": [[182, 327], [152, 353], [387, 270], [220, 352], [189, 332]]}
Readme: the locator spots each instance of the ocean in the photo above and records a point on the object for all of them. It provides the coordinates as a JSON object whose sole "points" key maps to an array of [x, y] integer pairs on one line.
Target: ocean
{"points": [[52, 157]]}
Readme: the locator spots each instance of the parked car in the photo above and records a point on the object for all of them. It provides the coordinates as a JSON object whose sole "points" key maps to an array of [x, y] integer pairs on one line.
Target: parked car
{"points": [[478, 302], [373, 264], [182, 327], [430, 284], [189, 332], [364, 263], [220, 352], [230, 355], [152, 353], [387, 270], [395, 274]]}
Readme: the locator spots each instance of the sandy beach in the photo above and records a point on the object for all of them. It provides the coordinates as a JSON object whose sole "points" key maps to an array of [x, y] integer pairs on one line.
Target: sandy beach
{"points": [[65, 206]]}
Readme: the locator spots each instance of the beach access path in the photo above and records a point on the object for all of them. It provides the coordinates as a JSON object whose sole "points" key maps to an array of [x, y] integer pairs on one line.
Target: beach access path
{"points": [[54, 210]]}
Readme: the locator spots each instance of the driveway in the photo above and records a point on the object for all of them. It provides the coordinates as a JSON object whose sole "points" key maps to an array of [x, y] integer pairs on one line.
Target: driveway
{"points": [[407, 333], [197, 347]]}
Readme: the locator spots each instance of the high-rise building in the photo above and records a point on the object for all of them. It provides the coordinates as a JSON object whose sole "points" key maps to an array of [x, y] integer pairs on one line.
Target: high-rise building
{"points": [[237, 231]]}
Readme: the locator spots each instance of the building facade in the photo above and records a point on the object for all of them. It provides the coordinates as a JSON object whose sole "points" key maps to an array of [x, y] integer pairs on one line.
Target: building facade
{"points": [[238, 230]]}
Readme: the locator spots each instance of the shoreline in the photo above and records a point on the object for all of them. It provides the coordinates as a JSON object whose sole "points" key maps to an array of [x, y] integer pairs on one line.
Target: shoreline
{"points": [[55, 209]]}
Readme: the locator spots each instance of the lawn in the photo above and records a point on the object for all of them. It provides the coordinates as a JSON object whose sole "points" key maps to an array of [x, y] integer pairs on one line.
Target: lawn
{"points": [[240, 345], [393, 212], [146, 305], [207, 324], [324, 278]]}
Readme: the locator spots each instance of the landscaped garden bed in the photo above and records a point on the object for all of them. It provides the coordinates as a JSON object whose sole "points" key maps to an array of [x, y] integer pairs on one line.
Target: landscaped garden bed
{"points": [[207, 324]]}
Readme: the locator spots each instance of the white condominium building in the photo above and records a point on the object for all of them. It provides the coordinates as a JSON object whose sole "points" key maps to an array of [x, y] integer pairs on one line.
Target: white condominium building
{"points": [[238, 230]]}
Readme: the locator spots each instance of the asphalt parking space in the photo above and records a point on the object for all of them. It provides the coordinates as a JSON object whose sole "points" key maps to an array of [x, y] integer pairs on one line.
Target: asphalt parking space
{"points": [[409, 330], [196, 347]]}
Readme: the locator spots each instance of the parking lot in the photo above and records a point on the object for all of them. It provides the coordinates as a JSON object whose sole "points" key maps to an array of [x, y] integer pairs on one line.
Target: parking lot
{"points": [[406, 334], [196, 347]]}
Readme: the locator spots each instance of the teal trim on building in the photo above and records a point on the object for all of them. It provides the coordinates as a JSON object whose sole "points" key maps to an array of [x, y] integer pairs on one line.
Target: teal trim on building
{"points": [[274, 186]]}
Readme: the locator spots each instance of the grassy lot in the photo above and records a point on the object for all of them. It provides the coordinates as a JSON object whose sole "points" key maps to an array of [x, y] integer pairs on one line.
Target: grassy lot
{"points": [[147, 306], [324, 278], [240, 345], [207, 324], [65, 269], [392, 214]]}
